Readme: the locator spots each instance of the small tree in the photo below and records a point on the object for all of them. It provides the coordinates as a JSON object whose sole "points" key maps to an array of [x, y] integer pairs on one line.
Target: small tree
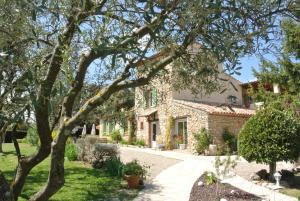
{"points": [[270, 136]]}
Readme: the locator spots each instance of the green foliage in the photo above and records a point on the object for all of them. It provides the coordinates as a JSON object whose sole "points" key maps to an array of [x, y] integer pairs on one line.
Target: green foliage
{"points": [[210, 178], [139, 142], [224, 166], [82, 182], [170, 124], [230, 141], [134, 168], [114, 167], [269, 136], [203, 140], [179, 139], [32, 136], [124, 142], [116, 136], [71, 152]]}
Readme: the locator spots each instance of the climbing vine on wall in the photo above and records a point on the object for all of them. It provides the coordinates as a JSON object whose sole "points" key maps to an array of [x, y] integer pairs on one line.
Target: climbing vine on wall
{"points": [[170, 124]]}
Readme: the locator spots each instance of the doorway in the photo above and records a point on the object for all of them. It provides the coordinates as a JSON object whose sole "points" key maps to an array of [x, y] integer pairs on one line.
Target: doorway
{"points": [[154, 130]]}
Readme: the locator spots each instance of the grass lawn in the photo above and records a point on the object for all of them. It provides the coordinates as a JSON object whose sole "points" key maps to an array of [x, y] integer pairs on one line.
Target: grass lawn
{"points": [[295, 191], [82, 183]]}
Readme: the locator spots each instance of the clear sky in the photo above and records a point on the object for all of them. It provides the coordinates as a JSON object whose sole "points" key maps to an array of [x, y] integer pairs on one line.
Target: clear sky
{"points": [[247, 64], [250, 62]]}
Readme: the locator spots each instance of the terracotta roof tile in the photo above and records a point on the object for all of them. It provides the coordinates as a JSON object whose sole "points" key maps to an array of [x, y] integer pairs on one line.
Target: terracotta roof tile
{"points": [[218, 110]]}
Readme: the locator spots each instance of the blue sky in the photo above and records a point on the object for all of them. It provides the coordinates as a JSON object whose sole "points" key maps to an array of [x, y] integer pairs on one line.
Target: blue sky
{"points": [[250, 62], [247, 64]]}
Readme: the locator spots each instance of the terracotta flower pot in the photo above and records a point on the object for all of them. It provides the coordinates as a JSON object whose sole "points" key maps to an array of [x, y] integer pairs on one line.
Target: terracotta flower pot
{"points": [[133, 181]]}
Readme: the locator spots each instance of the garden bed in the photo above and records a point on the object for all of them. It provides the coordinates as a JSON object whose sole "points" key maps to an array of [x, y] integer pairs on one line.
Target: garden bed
{"points": [[218, 190]]}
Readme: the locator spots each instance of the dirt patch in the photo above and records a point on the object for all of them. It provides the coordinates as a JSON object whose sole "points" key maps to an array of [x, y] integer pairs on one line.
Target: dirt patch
{"points": [[215, 192]]}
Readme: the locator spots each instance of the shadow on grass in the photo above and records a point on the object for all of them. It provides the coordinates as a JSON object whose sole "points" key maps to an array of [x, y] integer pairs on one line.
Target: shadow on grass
{"points": [[80, 184]]}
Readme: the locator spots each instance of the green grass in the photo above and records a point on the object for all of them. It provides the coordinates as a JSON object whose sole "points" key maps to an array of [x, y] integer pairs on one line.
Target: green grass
{"points": [[82, 183], [295, 190]]}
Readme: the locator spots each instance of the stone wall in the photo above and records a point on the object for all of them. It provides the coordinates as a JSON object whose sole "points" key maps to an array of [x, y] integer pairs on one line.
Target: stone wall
{"points": [[196, 119], [217, 124]]}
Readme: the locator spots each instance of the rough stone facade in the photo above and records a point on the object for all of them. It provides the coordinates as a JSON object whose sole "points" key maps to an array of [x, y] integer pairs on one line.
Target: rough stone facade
{"points": [[218, 123], [167, 105]]}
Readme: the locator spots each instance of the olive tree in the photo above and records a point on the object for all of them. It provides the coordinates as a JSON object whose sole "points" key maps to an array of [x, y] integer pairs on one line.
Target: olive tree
{"points": [[67, 41], [270, 136]]}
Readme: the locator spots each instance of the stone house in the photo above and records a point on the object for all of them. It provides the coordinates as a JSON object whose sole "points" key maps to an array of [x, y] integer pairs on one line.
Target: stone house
{"points": [[155, 103]]}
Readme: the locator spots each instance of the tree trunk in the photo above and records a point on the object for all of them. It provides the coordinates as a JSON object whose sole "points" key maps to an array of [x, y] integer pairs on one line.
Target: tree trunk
{"points": [[272, 169], [2, 135], [56, 174], [25, 166]]}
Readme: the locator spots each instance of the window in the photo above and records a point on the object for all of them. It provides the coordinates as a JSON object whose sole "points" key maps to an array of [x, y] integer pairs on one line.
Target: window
{"points": [[153, 101], [149, 98], [181, 128], [232, 99], [141, 125]]}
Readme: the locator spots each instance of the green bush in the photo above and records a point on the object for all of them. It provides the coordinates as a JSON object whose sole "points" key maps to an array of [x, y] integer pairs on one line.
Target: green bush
{"points": [[134, 168], [114, 167], [139, 142], [203, 140], [270, 136], [124, 142], [71, 152], [230, 141], [100, 153], [210, 178], [32, 136], [116, 136]]}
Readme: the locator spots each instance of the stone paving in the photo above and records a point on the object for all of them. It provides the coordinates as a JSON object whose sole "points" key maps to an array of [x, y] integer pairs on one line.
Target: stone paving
{"points": [[175, 182]]}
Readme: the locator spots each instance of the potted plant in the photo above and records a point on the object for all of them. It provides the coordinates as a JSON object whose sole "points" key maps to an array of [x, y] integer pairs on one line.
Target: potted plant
{"points": [[179, 141], [133, 173]]}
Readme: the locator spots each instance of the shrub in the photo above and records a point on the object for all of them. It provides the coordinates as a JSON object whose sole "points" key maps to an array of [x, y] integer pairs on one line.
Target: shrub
{"points": [[210, 178], [170, 124], [85, 147], [114, 167], [270, 136], [101, 153], [32, 136], [134, 168], [230, 141], [139, 142], [124, 142], [179, 139], [116, 136], [203, 140], [71, 152]]}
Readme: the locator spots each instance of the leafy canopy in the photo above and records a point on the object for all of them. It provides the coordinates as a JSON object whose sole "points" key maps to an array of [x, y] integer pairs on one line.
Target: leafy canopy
{"points": [[269, 136]]}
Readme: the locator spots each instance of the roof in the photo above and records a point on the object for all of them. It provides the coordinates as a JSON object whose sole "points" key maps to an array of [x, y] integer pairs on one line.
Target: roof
{"points": [[225, 110], [147, 113]]}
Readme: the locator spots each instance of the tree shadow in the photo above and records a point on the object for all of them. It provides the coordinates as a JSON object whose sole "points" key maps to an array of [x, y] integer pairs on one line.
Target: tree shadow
{"points": [[80, 184]]}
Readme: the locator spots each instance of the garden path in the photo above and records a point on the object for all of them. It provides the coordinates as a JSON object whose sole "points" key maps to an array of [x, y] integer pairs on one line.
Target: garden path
{"points": [[175, 182]]}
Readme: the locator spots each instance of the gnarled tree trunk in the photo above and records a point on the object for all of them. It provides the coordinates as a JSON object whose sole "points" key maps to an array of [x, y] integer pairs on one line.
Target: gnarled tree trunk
{"points": [[56, 174]]}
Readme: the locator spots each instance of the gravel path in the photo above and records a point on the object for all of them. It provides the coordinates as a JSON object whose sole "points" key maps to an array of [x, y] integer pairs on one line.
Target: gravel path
{"points": [[245, 169], [157, 163]]}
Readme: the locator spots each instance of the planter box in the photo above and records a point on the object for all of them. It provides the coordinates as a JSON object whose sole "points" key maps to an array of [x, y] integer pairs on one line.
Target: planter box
{"points": [[212, 149], [182, 146]]}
